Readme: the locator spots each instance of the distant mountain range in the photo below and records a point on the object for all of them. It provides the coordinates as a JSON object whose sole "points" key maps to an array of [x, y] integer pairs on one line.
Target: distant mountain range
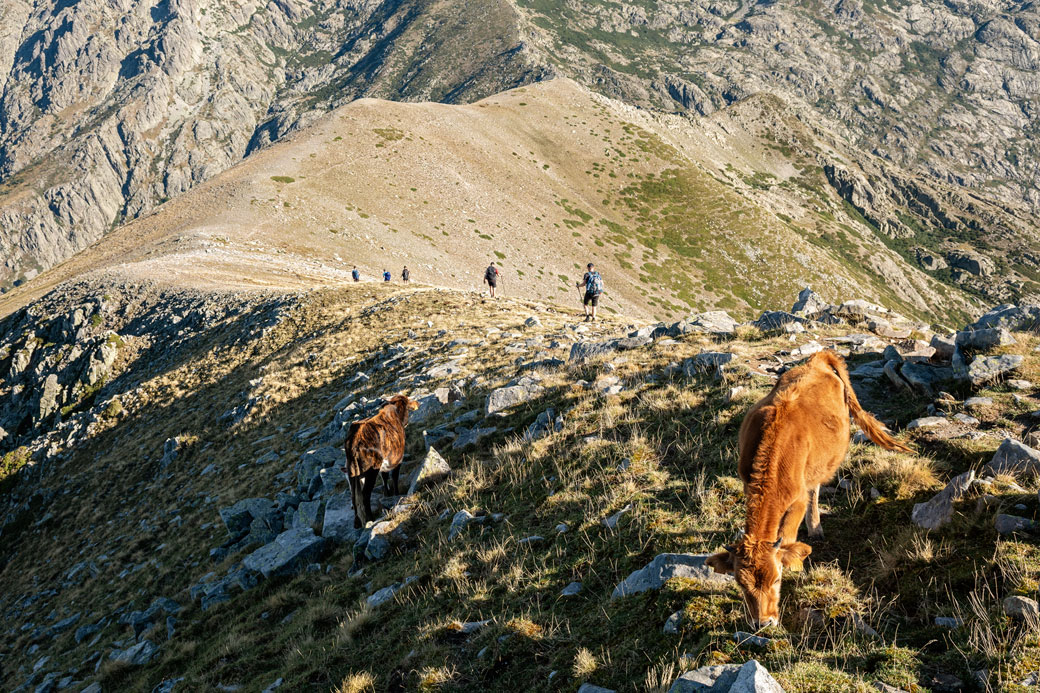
{"points": [[920, 118]]}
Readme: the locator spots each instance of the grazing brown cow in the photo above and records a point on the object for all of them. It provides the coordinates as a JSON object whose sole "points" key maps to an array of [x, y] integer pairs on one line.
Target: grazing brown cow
{"points": [[376, 446], [791, 441]]}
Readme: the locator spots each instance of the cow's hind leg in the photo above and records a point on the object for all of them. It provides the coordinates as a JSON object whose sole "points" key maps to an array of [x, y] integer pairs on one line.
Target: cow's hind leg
{"points": [[396, 476], [355, 498], [385, 476], [366, 492], [812, 513]]}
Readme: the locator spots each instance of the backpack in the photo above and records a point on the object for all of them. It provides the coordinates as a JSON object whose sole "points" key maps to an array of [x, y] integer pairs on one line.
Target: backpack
{"points": [[491, 273], [594, 283]]}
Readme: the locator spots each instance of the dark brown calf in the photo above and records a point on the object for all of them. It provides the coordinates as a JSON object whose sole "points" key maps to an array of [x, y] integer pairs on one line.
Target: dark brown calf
{"points": [[376, 446]]}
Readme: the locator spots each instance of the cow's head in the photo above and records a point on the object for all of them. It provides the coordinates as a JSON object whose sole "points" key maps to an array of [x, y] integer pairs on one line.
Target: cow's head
{"points": [[757, 566], [404, 405]]}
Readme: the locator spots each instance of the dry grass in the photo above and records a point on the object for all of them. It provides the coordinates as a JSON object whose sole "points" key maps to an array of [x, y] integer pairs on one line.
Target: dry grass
{"points": [[362, 682], [896, 475], [354, 624], [585, 663], [828, 590]]}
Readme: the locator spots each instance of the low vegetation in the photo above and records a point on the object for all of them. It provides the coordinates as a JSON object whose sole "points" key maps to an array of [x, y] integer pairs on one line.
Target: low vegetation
{"points": [[661, 452]]}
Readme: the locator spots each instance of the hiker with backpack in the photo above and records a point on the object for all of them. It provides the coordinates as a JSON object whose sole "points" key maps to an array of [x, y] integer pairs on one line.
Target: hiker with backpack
{"points": [[355, 274], [593, 288], [386, 275], [491, 275], [405, 274]]}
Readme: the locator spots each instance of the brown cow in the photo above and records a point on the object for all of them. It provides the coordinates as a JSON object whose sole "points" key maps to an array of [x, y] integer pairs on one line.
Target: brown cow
{"points": [[376, 446], [791, 441]]}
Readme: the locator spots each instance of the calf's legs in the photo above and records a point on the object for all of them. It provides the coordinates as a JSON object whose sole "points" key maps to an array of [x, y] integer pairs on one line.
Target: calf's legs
{"points": [[792, 551], [812, 515], [361, 495]]}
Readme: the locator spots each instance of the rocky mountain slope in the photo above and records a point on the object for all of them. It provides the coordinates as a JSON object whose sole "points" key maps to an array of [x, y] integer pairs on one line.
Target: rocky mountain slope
{"points": [[181, 523], [728, 212], [108, 111]]}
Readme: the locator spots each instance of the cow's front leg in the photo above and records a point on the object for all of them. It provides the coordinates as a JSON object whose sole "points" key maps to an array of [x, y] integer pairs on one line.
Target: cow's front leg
{"points": [[396, 476], [812, 514], [792, 552]]}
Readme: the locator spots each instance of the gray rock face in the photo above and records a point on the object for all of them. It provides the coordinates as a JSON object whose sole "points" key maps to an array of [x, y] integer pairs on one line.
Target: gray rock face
{"points": [[809, 303], [664, 567], [986, 368], [1011, 524], [508, 397], [713, 362], [939, 510], [289, 552], [384, 595], [1013, 457], [138, 654], [1021, 608], [751, 677], [589, 688], [239, 517], [772, 320], [432, 470], [985, 338], [338, 523], [1009, 316], [717, 322]]}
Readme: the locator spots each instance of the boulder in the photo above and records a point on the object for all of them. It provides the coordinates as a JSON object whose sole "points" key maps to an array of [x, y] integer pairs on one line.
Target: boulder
{"points": [[984, 339], [707, 362], [809, 303], [939, 510], [943, 346], [1012, 524], [338, 522], [384, 595], [751, 677], [971, 261], [773, 320], [807, 349], [664, 567], [925, 378], [471, 436], [1022, 608], [546, 423], [571, 589], [589, 688], [308, 514], [308, 467], [507, 397], [983, 369], [583, 351], [750, 639], [50, 397], [672, 625], [288, 553], [717, 322], [138, 654], [927, 422], [1009, 316], [432, 470], [239, 517], [1013, 457]]}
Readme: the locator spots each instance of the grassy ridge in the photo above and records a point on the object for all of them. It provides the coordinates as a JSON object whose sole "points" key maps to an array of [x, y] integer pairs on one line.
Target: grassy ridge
{"points": [[664, 447]]}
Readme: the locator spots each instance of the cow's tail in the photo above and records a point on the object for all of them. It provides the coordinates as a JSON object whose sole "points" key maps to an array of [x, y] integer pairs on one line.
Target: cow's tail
{"points": [[874, 429]]}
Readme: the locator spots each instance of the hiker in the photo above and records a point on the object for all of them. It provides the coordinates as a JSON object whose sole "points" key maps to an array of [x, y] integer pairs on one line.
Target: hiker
{"points": [[386, 275], [355, 274], [405, 274], [491, 278], [593, 288]]}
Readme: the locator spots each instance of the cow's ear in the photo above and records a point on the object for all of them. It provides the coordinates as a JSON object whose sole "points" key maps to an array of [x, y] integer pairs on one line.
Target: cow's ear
{"points": [[794, 554], [721, 562]]}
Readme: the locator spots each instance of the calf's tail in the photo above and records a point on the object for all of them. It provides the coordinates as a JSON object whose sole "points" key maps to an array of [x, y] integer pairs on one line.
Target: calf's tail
{"points": [[874, 429]]}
